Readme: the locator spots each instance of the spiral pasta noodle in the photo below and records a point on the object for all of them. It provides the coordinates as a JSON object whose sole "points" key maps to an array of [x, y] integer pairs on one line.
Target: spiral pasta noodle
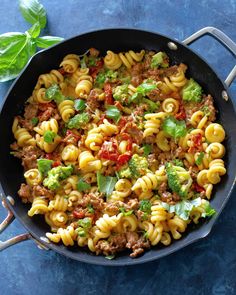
{"points": [[22, 136], [39, 206], [70, 63], [66, 109]]}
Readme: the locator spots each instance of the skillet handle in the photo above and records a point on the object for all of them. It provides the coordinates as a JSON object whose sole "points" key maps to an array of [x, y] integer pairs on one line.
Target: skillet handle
{"points": [[223, 39], [6, 222]]}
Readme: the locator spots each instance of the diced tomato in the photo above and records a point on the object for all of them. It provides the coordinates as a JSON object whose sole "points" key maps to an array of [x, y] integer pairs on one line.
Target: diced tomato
{"points": [[122, 122], [108, 94], [62, 71], [123, 159], [78, 215], [198, 188], [93, 71], [109, 151], [181, 115], [49, 156], [56, 164], [196, 140], [118, 105], [71, 133]]}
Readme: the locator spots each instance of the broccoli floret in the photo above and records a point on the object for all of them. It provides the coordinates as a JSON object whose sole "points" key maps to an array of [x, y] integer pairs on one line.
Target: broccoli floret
{"points": [[174, 181], [152, 106], [78, 121], [138, 165], [120, 93], [125, 173], [192, 91], [55, 175], [160, 59]]}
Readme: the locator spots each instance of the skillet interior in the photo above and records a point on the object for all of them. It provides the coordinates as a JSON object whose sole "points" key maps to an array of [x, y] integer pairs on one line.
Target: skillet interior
{"points": [[11, 173]]}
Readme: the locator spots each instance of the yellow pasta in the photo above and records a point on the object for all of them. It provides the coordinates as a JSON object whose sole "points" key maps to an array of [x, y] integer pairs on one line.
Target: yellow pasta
{"points": [[22, 136], [66, 109], [215, 133], [39, 206], [33, 177], [70, 63], [44, 126]]}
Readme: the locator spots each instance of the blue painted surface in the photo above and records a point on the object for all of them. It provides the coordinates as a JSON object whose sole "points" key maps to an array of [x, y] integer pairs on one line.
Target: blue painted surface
{"points": [[206, 267]]}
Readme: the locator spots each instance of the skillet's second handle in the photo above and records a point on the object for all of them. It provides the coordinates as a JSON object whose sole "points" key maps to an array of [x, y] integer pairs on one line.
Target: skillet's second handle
{"points": [[222, 38], [6, 222]]}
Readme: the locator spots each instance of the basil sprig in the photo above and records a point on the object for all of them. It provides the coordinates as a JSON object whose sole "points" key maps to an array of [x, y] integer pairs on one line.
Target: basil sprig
{"points": [[16, 48]]}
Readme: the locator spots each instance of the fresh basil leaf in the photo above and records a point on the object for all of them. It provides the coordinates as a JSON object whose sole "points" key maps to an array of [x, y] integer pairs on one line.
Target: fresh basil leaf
{"points": [[79, 105], [34, 31], [174, 128], [146, 149], [199, 158], [15, 50], [178, 162], [47, 41], [49, 136], [183, 208], [83, 185], [33, 12], [106, 184], [144, 88], [113, 113]]}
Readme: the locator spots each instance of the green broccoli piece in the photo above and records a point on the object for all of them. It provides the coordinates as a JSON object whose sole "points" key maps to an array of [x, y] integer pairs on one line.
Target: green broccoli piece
{"points": [[160, 59], [138, 165], [174, 182], [125, 173], [192, 91], [55, 175], [78, 121], [121, 94], [104, 76], [152, 106]]}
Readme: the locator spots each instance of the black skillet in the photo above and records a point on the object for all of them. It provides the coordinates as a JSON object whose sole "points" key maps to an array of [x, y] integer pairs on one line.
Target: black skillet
{"points": [[11, 173]]}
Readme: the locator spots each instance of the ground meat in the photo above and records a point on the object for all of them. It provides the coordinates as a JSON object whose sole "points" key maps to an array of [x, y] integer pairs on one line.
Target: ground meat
{"points": [[152, 160], [31, 111], [136, 73], [92, 100], [136, 243], [93, 199], [112, 208], [25, 123], [115, 244], [150, 139], [25, 193], [155, 95], [140, 109], [170, 71], [132, 204], [93, 52], [29, 155], [41, 191], [208, 101], [132, 129], [47, 111]]}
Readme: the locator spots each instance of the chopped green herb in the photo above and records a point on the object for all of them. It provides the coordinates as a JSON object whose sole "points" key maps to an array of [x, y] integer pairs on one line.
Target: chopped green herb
{"points": [[35, 121], [199, 158], [90, 208], [178, 162], [147, 148], [152, 106], [49, 136], [174, 128], [145, 88], [83, 185], [126, 213], [205, 110], [79, 105], [209, 211], [113, 113], [106, 184]]}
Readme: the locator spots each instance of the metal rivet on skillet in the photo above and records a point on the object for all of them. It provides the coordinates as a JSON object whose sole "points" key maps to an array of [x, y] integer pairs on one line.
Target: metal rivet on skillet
{"points": [[172, 46], [11, 200], [225, 95]]}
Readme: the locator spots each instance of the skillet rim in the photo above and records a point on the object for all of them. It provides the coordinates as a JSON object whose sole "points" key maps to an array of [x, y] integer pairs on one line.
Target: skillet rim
{"points": [[206, 227]]}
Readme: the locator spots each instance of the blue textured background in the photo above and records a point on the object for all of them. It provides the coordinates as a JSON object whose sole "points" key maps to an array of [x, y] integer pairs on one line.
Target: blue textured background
{"points": [[206, 267]]}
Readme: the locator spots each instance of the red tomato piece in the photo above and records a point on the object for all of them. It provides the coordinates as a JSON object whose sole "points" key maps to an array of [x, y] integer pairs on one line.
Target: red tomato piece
{"points": [[78, 215], [56, 164], [108, 94]]}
